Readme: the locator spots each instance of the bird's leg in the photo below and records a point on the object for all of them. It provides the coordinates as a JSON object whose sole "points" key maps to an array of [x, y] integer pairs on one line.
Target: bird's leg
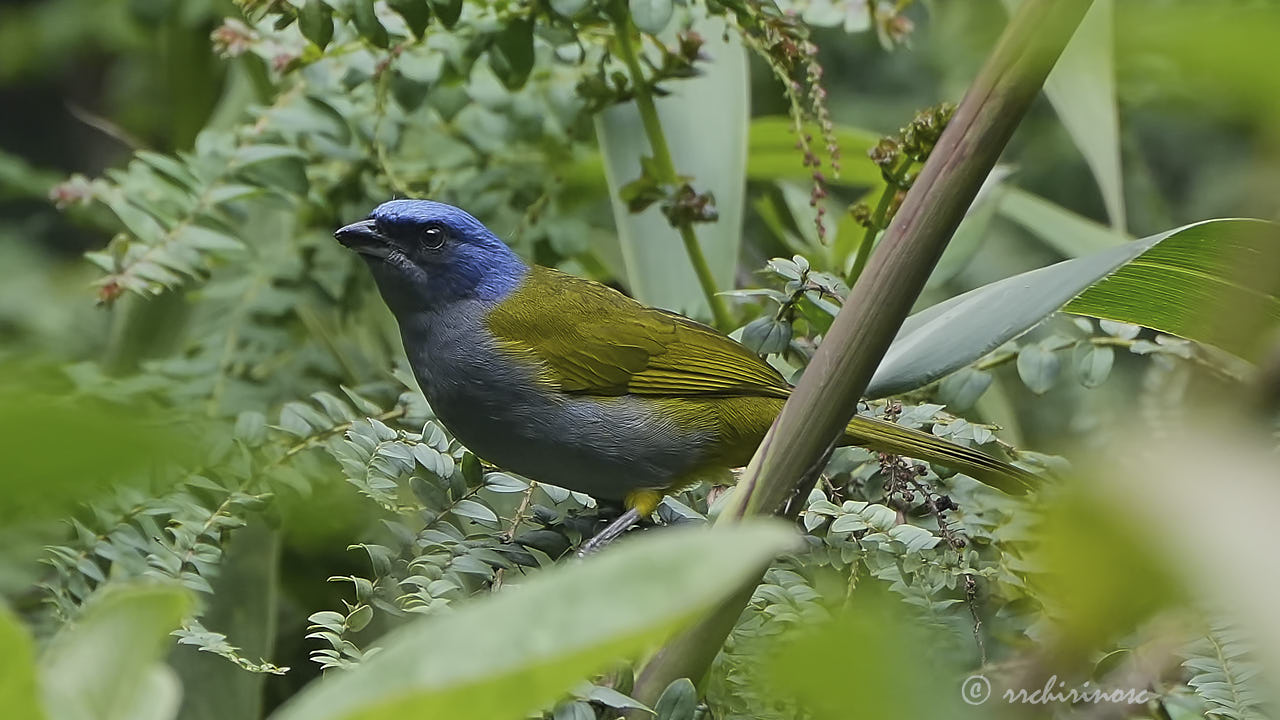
{"points": [[611, 532]]}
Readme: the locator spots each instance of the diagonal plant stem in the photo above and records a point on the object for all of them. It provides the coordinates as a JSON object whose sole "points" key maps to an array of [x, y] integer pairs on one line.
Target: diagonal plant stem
{"points": [[826, 398], [666, 166], [891, 189]]}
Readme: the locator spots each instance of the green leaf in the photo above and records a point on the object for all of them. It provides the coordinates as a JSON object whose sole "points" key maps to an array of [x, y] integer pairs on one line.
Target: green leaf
{"points": [[104, 666], [511, 56], [657, 270], [772, 153], [367, 23], [18, 690], [1183, 282], [359, 618], [274, 166], [18, 179], [475, 511], [315, 20], [1082, 89], [448, 11], [504, 483], [113, 443], [416, 14], [568, 8], [1216, 282], [767, 335], [609, 697], [1038, 368], [1070, 234], [510, 654], [961, 389], [678, 702], [894, 652], [1092, 363], [576, 710], [1121, 330], [651, 16], [203, 238], [972, 231], [915, 538]]}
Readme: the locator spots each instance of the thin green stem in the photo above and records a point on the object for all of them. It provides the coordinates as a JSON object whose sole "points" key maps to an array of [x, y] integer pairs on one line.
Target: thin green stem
{"points": [[996, 361], [877, 222], [662, 158]]}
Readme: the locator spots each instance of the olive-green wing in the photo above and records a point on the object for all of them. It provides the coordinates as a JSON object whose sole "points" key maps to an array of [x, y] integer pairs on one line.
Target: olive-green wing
{"points": [[587, 338]]}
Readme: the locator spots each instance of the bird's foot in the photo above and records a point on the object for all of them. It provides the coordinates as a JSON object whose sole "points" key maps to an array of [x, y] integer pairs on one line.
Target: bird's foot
{"points": [[611, 532]]}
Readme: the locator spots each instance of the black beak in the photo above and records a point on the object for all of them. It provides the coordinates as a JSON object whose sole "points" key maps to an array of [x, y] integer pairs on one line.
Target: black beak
{"points": [[364, 238]]}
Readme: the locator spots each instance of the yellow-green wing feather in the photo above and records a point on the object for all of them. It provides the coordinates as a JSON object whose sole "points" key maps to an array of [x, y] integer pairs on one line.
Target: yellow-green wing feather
{"points": [[589, 339], [586, 338]]}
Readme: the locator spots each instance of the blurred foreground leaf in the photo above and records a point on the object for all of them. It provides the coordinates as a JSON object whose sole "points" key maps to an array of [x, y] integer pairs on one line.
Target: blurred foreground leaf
{"points": [[18, 179], [17, 670], [873, 656], [510, 654], [63, 449], [1216, 281], [1225, 481], [106, 666], [1099, 574]]}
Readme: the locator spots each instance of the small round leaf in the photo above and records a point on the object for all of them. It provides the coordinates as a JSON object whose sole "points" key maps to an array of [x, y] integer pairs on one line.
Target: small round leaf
{"points": [[651, 16], [1038, 368], [1093, 363]]}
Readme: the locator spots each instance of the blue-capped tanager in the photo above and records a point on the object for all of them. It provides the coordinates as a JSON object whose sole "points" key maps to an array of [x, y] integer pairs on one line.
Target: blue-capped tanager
{"points": [[569, 382]]}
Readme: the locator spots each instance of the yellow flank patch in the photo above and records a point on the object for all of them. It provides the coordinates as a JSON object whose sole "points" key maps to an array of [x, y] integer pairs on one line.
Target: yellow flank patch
{"points": [[644, 501]]}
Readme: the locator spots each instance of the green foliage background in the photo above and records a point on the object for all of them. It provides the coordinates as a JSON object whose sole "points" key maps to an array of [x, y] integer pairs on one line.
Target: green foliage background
{"points": [[234, 415]]}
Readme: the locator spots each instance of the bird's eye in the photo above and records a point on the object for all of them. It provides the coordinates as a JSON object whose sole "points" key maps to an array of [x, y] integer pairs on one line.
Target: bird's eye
{"points": [[433, 237]]}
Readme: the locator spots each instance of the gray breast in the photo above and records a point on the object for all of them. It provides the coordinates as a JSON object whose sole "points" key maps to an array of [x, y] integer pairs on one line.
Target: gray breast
{"points": [[603, 446]]}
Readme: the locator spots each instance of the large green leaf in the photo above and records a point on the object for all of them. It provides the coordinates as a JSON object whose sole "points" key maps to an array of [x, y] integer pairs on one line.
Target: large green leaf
{"points": [[1183, 282], [106, 665], [705, 122], [893, 653], [973, 230], [1082, 88], [1158, 485], [1218, 284], [773, 155], [18, 692], [508, 655], [1070, 234]]}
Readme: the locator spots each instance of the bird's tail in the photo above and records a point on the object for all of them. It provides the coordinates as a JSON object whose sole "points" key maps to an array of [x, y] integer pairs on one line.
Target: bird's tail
{"points": [[884, 436]]}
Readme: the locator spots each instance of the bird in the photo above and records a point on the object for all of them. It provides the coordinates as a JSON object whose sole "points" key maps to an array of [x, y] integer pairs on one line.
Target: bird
{"points": [[569, 382]]}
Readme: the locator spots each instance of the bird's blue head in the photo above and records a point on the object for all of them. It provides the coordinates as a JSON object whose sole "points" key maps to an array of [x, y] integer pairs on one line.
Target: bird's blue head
{"points": [[427, 255]]}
